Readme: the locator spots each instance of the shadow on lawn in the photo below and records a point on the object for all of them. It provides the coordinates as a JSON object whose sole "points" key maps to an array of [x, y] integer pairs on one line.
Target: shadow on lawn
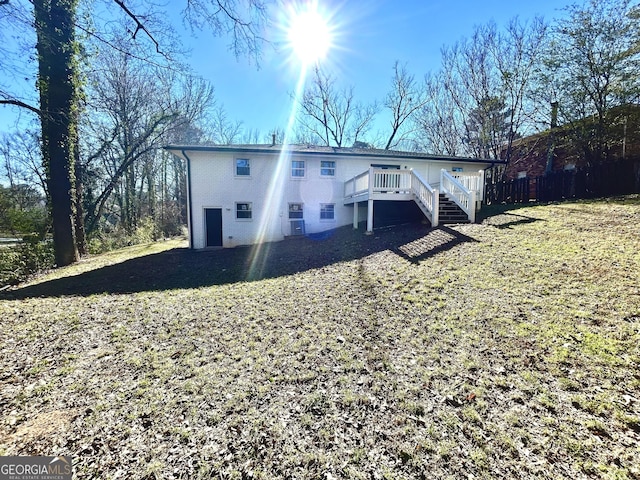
{"points": [[501, 216], [184, 268], [509, 220]]}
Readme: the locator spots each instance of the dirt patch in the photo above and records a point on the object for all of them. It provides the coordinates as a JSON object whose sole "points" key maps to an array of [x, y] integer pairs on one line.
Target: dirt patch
{"points": [[40, 428]]}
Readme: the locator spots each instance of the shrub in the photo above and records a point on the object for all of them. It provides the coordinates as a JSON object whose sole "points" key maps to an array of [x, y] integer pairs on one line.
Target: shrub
{"points": [[145, 232], [20, 262]]}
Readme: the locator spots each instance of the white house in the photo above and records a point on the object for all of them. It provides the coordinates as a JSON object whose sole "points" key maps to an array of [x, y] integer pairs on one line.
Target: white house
{"points": [[247, 194]]}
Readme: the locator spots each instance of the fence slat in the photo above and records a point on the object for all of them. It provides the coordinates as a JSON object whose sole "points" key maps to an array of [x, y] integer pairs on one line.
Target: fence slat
{"points": [[606, 179]]}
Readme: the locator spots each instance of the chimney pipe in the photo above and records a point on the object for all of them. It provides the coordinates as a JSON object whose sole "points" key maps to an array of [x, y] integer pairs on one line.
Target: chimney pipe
{"points": [[273, 139], [552, 139]]}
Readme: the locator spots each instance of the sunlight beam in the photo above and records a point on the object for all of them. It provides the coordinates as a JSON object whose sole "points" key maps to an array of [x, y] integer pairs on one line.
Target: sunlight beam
{"points": [[309, 38], [273, 207]]}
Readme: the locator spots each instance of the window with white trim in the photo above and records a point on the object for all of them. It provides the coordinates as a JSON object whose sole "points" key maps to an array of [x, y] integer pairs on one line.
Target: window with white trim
{"points": [[328, 168], [327, 211], [243, 167], [297, 168], [243, 211], [457, 169], [296, 210]]}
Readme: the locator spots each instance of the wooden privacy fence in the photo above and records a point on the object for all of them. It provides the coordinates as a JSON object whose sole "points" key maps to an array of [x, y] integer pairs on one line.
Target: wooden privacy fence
{"points": [[606, 179]]}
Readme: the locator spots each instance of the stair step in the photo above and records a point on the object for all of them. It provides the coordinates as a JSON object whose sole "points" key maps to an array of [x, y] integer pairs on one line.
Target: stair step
{"points": [[449, 212], [451, 222]]}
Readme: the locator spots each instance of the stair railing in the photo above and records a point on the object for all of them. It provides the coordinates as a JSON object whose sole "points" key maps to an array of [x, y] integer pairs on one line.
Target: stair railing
{"points": [[426, 197], [461, 195], [472, 181]]}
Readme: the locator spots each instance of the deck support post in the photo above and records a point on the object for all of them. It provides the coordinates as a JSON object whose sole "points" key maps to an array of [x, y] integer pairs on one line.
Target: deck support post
{"points": [[369, 217], [355, 215]]}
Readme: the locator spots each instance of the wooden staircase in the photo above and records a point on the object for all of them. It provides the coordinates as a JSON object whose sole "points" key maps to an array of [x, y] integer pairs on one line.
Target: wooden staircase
{"points": [[450, 212]]}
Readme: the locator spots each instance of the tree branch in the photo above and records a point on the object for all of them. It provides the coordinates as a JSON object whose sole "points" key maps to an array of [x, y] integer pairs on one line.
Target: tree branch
{"points": [[139, 25], [18, 103]]}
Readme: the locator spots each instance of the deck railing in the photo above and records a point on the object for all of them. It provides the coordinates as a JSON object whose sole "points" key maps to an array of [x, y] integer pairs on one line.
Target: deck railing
{"points": [[391, 181], [464, 197], [394, 182], [357, 186]]}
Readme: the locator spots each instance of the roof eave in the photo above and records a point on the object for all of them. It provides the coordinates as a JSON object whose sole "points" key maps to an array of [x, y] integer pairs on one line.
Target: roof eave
{"points": [[330, 151]]}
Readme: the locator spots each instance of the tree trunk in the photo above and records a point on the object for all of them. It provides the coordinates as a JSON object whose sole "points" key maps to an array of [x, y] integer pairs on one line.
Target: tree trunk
{"points": [[57, 85], [81, 237]]}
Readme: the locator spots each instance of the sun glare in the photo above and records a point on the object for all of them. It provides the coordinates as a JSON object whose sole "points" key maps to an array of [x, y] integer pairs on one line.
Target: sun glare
{"points": [[309, 35]]}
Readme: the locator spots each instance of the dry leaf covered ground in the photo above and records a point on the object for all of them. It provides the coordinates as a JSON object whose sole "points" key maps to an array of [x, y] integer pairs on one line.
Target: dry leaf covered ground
{"points": [[505, 349]]}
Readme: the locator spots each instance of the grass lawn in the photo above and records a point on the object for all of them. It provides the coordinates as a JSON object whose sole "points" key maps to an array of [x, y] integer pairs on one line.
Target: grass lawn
{"points": [[504, 349]]}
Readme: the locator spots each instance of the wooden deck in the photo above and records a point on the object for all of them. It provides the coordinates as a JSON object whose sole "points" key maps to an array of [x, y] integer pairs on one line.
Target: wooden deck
{"points": [[465, 190]]}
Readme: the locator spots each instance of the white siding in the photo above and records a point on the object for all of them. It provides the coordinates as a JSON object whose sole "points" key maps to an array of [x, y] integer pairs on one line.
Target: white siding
{"points": [[215, 185]]}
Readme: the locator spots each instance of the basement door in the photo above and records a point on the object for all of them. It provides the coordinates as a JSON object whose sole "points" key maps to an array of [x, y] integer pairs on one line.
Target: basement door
{"points": [[213, 224]]}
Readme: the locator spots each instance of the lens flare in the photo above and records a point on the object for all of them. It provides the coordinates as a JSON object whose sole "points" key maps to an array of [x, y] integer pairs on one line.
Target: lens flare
{"points": [[273, 202], [310, 37]]}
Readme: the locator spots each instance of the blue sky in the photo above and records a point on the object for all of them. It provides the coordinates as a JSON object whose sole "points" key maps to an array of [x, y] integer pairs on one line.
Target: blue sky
{"points": [[370, 37]]}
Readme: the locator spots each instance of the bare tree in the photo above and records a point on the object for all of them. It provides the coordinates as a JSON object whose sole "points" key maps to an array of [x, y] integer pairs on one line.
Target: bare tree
{"points": [[592, 66], [332, 115], [136, 108], [438, 126], [58, 52], [222, 129], [22, 160], [404, 100], [17, 37], [241, 21], [479, 101], [276, 136], [517, 51]]}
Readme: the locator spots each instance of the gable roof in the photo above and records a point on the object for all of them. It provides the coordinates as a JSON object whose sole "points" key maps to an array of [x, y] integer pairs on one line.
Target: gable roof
{"points": [[320, 150]]}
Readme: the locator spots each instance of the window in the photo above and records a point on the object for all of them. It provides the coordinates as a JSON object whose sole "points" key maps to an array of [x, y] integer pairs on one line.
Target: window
{"points": [[457, 169], [327, 168], [243, 167], [295, 210], [327, 211], [297, 168], [243, 211], [522, 174]]}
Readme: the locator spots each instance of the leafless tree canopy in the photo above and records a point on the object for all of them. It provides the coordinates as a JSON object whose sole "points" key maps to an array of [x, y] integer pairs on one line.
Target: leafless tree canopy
{"points": [[404, 100], [332, 115], [479, 102]]}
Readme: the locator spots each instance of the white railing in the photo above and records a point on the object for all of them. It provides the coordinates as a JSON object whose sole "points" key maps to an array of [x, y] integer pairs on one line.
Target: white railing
{"points": [[391, 181], [464, 198], [426, 195], [357, 186], [395, 182], [472, 181]]}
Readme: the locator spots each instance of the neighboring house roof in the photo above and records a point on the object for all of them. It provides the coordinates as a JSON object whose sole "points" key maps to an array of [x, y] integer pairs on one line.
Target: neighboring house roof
{"points": [[319, 150]]}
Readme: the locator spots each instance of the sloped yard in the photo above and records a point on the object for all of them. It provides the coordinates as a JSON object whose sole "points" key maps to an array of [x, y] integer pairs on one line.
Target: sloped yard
{"points": [[506, 349]]}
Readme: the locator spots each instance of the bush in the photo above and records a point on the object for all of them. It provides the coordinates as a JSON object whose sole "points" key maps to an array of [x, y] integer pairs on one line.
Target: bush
{"points": [[170, 222], [20, 262], [146, 232]]}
